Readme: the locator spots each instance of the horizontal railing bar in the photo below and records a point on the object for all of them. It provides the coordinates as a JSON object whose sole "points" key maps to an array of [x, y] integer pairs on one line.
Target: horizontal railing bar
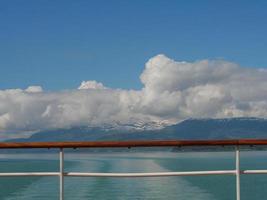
{"points": [[151, 174], [155, 174], [30, 174], [119, 144], [254, 172], [93, 174]]}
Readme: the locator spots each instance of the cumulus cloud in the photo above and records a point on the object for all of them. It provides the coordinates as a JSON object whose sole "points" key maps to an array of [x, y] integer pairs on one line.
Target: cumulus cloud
{"points": [[34, 89], [91, 85], [172, 91]]}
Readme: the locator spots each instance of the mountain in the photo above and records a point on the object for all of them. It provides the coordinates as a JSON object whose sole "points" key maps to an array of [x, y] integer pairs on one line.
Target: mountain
{"points": [[191, 129]]}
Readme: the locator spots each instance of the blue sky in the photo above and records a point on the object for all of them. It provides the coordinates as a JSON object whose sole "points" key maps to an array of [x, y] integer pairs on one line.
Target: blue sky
{"points": [[58, 44]]}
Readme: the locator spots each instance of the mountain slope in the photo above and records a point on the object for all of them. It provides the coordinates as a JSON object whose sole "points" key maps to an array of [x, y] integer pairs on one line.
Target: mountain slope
{"points": [[190, 129]]}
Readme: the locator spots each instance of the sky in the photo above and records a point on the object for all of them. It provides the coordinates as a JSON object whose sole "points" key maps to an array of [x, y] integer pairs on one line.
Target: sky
{"points": [[121, 63], [58, 44]]}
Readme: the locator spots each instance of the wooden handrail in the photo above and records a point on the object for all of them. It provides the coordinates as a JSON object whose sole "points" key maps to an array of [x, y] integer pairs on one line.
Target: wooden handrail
{"points": [[119, 144]]}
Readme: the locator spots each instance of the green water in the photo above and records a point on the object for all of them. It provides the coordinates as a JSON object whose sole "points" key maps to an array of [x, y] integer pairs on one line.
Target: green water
{"points": [[253, 187]]}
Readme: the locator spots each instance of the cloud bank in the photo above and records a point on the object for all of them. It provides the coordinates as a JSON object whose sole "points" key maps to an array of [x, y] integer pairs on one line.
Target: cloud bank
{"points": [[172, 91]]}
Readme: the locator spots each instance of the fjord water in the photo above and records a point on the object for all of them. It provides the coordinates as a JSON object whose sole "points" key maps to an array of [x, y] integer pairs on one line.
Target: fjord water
{"points": [[167, 188]]}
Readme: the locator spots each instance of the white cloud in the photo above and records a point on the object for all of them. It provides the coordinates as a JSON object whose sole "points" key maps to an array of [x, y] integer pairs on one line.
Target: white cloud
{"points": [[172, 91], [34, 89], [91, 85]]}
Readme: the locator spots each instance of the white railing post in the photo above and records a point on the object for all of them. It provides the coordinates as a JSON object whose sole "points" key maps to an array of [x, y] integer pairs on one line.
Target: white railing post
{"points": [[61, 175], [237, 166]]}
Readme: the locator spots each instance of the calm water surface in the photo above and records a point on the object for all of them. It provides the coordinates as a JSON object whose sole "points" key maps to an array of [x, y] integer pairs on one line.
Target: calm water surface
{"points": [[253, 187]]}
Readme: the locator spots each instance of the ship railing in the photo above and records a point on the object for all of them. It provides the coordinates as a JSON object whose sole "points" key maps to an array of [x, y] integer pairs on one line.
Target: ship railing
{"points": [[129, 144]]}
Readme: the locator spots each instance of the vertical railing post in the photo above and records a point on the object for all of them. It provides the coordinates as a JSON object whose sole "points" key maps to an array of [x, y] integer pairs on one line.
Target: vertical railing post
{"points": [[61, 176], [237, 166]]}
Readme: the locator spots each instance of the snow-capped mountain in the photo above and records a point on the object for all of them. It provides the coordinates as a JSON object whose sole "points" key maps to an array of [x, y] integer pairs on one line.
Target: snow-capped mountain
{"points": [[188, 129]]}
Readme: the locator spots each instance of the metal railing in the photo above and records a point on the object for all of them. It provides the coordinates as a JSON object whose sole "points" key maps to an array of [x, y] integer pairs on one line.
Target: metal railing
{"points": [[115, 144]]}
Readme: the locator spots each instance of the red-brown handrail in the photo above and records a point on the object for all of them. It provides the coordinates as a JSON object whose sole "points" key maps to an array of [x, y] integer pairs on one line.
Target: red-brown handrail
{"points": [[119, 144]]}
